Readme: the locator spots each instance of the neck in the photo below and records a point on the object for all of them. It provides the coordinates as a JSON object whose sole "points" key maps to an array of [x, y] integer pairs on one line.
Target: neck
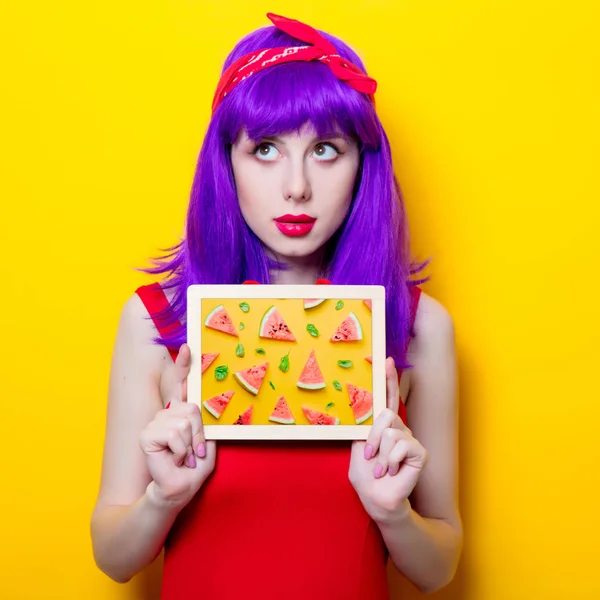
{"points": [[298, 271]]}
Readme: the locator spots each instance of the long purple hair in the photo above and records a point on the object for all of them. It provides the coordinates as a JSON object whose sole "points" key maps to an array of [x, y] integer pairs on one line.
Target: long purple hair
{"points": [[372, 244]]}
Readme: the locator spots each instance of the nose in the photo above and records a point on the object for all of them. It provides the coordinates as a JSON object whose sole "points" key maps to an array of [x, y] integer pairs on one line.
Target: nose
{"points": [[296, 185]]}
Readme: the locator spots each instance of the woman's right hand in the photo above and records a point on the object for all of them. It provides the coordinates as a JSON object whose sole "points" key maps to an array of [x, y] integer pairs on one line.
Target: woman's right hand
{"points": [[178, 457]]}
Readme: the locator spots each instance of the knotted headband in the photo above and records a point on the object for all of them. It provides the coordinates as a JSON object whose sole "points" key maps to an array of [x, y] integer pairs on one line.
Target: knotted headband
{"points": [[319, 49]]}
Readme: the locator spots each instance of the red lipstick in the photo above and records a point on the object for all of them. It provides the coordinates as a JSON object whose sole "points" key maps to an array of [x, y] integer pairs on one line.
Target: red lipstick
{"points": [[295, 225]]}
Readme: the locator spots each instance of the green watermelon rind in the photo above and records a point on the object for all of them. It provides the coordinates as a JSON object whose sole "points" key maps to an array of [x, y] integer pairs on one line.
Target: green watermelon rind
{"points": [[245, 384], [263, 326], [212, 313], [314, 304], [311, 386], [364, 417], [211, 410], [290, 421], [359, 331], [263, 322], [317, 385], [238, 377]]}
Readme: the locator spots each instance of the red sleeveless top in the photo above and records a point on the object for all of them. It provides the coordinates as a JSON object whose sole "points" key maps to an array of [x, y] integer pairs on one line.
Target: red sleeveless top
{"points": [[274, 521]]}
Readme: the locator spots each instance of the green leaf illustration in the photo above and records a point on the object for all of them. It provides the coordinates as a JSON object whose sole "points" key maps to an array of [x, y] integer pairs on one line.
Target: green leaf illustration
{"points": [[312, 330], [221, 372]]}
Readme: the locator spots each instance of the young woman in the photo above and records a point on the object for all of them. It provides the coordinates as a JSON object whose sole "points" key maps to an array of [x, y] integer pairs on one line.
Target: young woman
{"points": [[294, 183]]}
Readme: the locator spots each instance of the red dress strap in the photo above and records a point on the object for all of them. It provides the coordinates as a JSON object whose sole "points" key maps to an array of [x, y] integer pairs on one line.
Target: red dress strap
{"points": [[154, 299]]}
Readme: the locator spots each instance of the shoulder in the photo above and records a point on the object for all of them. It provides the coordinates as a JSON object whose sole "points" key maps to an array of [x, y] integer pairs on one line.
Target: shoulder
{"points": [[136, 334], [432, 319], [434, 340]]}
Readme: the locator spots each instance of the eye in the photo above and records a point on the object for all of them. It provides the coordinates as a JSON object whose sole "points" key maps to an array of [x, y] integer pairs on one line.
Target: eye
{"points": [[326, 151], [266, 151]]}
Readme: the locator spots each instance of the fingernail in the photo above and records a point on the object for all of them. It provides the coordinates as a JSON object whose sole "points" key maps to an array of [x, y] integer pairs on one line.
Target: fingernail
{"points": [[167, 406], [191, 460], [378, 471], [201, 450], [368, 451]]}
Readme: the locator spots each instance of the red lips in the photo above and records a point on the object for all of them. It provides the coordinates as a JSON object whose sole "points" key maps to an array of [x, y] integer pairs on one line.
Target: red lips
{"points": [[295, 225], [295, 219]]}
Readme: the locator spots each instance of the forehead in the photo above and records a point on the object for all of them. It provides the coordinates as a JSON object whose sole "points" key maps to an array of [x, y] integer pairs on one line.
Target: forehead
{"points": [[307, 133]]}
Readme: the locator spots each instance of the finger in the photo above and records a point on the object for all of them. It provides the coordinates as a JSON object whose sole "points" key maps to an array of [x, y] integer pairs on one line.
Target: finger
{"points": [[198, 439], [163, 438], [191, 412], [392, 386], [185, 358], [184, 426], [389, 439], [177, 380], [409, 452], [387, 419], [209, 459]]}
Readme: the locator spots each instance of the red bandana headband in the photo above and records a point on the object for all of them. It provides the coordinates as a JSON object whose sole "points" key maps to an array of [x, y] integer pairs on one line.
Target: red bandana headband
{"points": [[320, 49]]}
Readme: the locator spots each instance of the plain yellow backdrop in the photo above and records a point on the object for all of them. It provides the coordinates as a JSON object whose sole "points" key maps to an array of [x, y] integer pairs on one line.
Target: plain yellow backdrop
{"points": [[491, 108]]}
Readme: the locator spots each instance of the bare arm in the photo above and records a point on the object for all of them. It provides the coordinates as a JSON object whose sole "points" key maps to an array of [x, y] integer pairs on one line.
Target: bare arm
{"points": [[128, 527], [149, 468], [425, 540]]}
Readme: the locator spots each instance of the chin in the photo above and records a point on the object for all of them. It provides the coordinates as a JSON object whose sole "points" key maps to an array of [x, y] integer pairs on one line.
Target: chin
{"points": [[295, 247]]}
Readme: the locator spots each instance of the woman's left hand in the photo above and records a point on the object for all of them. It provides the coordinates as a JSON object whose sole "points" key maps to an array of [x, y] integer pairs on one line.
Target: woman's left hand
{"points": [[385, 469]]}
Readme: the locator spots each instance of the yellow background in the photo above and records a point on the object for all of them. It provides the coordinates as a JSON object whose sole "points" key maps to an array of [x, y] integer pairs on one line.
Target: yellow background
{"points": [[326, 319], [492, 109]]}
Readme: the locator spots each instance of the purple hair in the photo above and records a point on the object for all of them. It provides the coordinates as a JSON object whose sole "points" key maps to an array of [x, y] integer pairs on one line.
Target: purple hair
{"points": [[372, 244]]}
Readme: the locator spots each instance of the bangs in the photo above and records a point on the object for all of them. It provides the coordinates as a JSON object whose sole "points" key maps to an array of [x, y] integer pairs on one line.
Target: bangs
{"points": [[285, 98]]}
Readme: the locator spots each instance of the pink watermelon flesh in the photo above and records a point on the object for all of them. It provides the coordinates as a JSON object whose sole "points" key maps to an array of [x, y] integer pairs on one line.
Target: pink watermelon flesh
{"points": [[219, 319], [361, 401], [207, 360], [282, 413], [318, 418], [349, 331], [216, 405], [245, 418], [368, 304], [311, 377], [312, 302], [274, 327], [251, 379]]}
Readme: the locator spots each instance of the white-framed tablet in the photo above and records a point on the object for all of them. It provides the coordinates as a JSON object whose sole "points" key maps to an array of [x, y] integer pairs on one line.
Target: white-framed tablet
{"points": [[287, 362]]}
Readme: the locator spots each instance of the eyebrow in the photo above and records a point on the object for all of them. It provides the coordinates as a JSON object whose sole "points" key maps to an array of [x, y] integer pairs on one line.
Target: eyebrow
{"points": [[336, 136]]}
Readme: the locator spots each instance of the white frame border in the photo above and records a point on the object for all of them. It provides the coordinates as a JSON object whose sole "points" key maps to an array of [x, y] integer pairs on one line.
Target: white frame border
{"points": [[375, 293]]}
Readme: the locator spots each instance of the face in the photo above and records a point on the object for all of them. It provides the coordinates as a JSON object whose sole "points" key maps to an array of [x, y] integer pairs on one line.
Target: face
{"points": [[294, 190]]}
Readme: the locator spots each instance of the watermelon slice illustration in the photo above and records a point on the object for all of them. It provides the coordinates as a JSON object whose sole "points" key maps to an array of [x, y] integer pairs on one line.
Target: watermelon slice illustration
{"points": [[318, 418], [219, 319], [217, 404], [312, 302], [361, 401], [274, 327], [282, 413], [251, 379], [207, 360], [368, 304], [311, 377], [245, 418], [349, 331]]}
